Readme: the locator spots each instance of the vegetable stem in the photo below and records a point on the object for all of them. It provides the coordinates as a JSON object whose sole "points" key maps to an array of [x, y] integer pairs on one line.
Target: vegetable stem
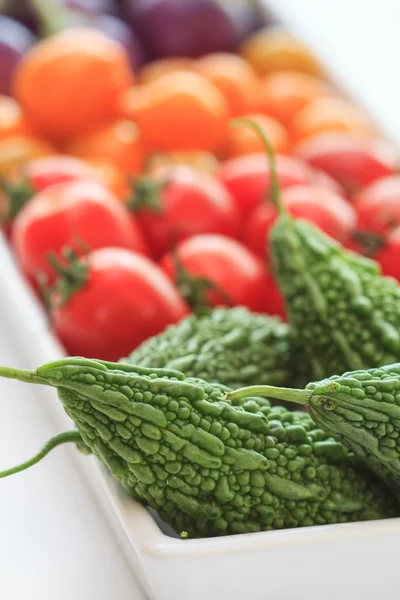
{"points": [[61, 438], [22, 375], [269, 391], [275, 187], [53, 16]]}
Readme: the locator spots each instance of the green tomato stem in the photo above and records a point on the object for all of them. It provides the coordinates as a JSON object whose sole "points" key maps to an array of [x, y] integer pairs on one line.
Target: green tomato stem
{"points": [[275, 192], [269, 391], [61, 438], [52, 15]]}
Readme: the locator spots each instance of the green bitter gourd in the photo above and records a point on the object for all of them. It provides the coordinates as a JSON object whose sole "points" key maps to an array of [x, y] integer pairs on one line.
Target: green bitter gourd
{"points": [[208, 467], [232, 346], [361, 408], [343, 314]]}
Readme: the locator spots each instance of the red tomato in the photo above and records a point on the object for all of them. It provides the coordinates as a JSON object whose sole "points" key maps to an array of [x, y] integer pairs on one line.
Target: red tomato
{"points": [[353, 162], [325, 180], [317, 204], [378, 205], [40, 173], [232, 268], [189, 203], [48, 170], [389, 256], [248, 178], [63, 214], [125, 299]]}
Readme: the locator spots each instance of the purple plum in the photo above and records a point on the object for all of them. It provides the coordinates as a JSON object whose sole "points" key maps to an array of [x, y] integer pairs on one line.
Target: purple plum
{"points": [[190, 27], [119, 31], [15, 40]]}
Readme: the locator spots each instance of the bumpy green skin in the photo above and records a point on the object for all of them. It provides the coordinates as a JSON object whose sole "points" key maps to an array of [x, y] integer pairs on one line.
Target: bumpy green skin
{"points": [[343, 314], [363, 409], [232, 346], [210, 468]]}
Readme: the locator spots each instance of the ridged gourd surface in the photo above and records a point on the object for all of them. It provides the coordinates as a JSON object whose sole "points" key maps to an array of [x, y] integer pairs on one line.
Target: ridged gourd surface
{"points": [[343, 314], [208, 467], [232, 346], [363, 409]]}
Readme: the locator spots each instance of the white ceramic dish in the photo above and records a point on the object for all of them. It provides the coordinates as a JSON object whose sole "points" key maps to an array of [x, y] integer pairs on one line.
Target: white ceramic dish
{"points": [[354, 561]]}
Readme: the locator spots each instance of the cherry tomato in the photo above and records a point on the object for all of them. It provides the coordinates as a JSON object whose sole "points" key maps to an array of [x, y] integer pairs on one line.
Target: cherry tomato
{"points": [[353, 162], [113, 178], [118, 142], [378, 205], [389, 255], [317, 204], [158, 68], [177, 112], [123, 300], [67, 214], [72, 81], [247, 178], [39, 174], [241, 277], [201, 161], [323, 115], [49, 170], [284, 93], [242, 140], [183, 202], [235, 79], [274, 49], [321, 178], [15, 151]]}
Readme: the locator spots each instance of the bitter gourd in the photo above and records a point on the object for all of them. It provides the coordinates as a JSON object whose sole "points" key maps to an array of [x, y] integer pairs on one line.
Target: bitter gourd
{"points": [[208, 467], [232, 346], [361, 408], [343, 314]]}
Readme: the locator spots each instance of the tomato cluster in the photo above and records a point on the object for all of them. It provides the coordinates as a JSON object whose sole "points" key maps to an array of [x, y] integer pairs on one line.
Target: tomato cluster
{"points": [[130, 200]]}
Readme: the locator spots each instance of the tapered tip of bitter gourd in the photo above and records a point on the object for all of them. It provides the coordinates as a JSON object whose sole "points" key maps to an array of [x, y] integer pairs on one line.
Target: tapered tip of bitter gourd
{"points": [[275, 192], [269, 391], [66, 437]]}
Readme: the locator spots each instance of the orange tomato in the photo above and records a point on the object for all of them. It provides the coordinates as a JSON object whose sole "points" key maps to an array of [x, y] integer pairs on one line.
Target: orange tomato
{"points": [[12, 121], [113, 178], [329, 115], [15, 151], [201, 161], [179, 111], [284, 93], [158, 68], [72, 81], [234, 77], [242, 140], [274, 49], [118, 142]]}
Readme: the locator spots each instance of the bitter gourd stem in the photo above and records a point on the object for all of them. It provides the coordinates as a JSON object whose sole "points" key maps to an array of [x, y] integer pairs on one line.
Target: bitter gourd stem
{"points": [[269, 391], [22, 375], [275, 191], [61, 438]]}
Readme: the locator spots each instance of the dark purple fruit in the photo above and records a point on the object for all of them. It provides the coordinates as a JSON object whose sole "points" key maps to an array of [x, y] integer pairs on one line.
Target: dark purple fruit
{"points": [[15, 40], [191, 27], [119, 31]]}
